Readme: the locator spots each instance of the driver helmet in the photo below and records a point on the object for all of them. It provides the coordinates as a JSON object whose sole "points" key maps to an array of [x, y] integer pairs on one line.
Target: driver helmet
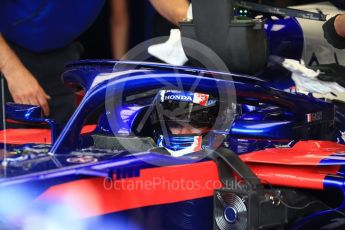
{"points": [[182, 120]]}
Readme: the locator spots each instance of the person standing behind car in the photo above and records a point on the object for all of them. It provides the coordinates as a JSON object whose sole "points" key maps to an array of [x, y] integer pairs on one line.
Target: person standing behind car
{"points": [[36, 41]]}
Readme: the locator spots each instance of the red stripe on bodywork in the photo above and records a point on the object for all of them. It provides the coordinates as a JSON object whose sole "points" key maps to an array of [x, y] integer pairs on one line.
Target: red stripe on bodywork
{"points": [[35, 136], [308, 177], [170, 184], [303, 153], [23, 136], [155, 186]]}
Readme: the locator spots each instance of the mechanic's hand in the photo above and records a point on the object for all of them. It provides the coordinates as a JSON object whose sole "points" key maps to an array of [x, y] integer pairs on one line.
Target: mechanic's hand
{"points": [[331, 73], [24, 88], [331, 34]]}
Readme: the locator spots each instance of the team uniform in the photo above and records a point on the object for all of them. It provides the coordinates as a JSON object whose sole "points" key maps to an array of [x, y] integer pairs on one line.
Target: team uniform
{"points": [[42, 33]]}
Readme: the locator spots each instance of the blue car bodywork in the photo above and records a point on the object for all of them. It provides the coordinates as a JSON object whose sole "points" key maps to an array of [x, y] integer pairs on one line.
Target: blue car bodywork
{"points": [[268, 117], [81, 180]]}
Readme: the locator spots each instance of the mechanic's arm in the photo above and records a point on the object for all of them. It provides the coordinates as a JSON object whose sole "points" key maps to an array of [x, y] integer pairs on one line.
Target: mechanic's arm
{"points": [[173, 10], [339, 25], [119, 23], [334, 31], [23, 87]]}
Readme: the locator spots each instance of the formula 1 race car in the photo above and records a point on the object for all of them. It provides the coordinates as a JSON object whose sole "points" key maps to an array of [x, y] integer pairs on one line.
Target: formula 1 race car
{"points": [[174, 148], [87, 178]]}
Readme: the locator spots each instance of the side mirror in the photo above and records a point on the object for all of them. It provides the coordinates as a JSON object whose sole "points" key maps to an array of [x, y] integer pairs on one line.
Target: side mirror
{"points": [[29, 115], [24, 113]]}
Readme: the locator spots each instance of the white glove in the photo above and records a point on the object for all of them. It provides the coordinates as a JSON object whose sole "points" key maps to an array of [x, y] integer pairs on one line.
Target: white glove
{"points": [[171, 51], [306, 81], [190, 13]]}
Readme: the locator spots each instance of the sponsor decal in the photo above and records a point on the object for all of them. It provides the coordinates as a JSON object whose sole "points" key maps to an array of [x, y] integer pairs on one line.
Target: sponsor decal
{"points": [[162, 93], [197, 143], [178, 98], [211, 102], [311, 117], [200, 98], [174, 95]]}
